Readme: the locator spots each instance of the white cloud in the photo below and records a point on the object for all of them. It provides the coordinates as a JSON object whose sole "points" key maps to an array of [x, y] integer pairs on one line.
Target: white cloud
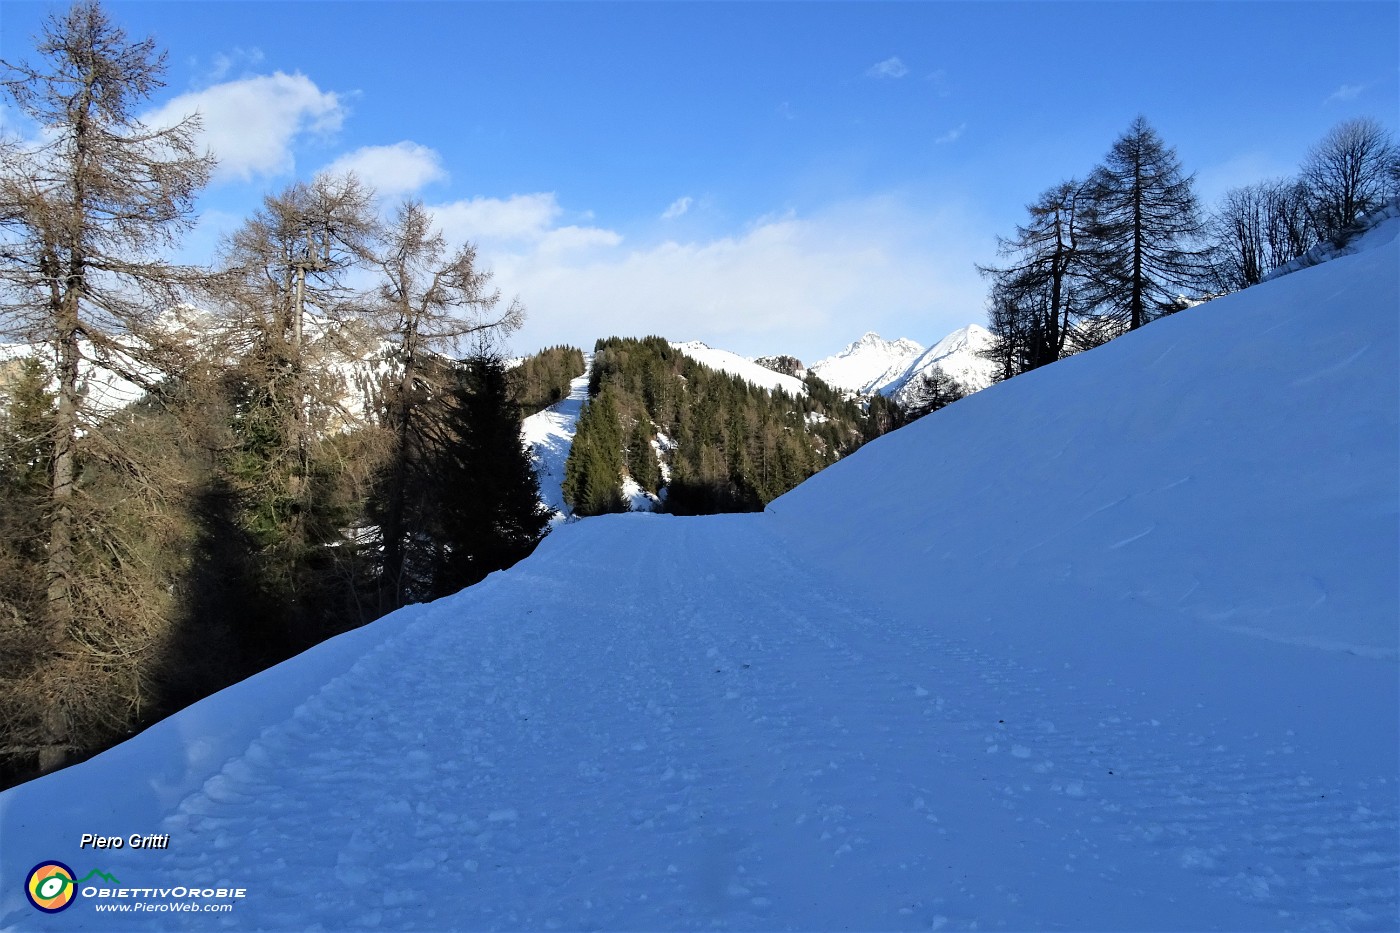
{"points": [[678, 207], [402, 168], [952, 135], [251, 124], [520, 217], [889, 68], [576, 239], [1345, 92], [522, 224], [798, 284]]}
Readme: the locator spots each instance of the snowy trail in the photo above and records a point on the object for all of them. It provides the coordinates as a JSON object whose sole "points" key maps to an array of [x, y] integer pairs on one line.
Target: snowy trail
{"points": [[756, 764], [550, 434]]}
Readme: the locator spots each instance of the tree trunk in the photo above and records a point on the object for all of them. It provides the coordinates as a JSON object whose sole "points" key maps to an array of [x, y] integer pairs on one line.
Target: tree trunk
{"points": [[1137, 315], [392, 531], [62, 563]]}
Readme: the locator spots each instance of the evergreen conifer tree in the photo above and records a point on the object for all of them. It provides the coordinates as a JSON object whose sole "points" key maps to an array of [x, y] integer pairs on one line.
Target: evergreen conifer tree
{"points": [[429, 299], [26, 420], [488, 510], [593, 473], [1145, 221], [641, 456]]}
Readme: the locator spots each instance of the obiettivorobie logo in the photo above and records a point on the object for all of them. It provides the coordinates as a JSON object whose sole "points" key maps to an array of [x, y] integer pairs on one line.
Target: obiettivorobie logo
{"points": [[52, 886]]}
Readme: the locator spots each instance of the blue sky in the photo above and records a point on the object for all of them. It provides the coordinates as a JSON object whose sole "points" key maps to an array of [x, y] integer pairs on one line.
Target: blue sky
{"points": [[763, 177]]}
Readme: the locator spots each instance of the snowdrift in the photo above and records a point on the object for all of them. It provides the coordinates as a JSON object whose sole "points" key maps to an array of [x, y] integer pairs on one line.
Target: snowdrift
{"points": [[1109, 646]]}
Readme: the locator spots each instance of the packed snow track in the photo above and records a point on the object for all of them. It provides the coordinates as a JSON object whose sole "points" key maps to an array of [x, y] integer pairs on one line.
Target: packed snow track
{"points": [[751, 761]]}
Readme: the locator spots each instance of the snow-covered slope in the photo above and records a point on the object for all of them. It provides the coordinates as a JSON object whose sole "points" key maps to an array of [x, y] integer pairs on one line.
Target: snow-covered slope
{"points": [[736, 365], [1111, 645], [1233, 465], [550, 434], [958, 355], [1350, 241], [869, 364]]}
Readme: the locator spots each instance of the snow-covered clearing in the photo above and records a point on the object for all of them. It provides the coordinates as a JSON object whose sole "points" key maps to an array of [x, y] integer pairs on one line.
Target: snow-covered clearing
{"points": [[1110, 646], [746, 369], [550, 434]]}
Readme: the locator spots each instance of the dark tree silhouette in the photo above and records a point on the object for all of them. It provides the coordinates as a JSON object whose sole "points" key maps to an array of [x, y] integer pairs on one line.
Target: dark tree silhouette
{"points": [[487, 511], [1257, 228], [427, 302], [1036, 297], [1144, 227], [1351, 171]]}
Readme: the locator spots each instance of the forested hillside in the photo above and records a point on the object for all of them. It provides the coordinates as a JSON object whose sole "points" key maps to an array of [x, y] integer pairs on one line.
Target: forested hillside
{"points": [[206, 470], [716, 442], [543, 378]]}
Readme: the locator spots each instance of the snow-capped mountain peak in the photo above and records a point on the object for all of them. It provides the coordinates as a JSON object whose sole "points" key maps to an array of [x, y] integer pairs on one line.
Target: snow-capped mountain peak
{"points": [[872, 340], [867, 364], [958, 356], [896, 368], [970, 337]]}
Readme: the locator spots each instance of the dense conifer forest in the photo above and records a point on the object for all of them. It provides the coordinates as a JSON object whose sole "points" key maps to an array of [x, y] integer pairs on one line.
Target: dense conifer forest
{"points": [[725, 444], [542, 379]]}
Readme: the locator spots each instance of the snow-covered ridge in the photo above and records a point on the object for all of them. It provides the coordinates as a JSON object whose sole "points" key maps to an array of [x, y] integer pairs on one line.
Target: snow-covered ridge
{"points": [[744, 368], [1169, 459], [353, 364], [958, 355], [869, 364], [896, 368]]}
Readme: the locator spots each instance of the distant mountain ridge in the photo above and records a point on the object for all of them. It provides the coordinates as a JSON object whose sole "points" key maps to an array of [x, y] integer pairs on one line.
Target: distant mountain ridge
{"points": [[959, 356], [897, 368], [869, 364]]}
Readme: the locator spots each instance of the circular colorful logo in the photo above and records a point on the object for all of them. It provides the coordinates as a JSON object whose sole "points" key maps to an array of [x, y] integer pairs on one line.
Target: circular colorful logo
{"points": [[50, 887]]}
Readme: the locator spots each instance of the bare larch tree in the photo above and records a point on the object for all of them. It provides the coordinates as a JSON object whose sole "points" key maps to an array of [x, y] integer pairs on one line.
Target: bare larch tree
{"points": [[84, 209], [1034, 297]]}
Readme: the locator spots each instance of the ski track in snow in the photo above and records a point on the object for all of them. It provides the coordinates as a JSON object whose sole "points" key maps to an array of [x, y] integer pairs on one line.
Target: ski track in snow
{"points": [[803, 766]]}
